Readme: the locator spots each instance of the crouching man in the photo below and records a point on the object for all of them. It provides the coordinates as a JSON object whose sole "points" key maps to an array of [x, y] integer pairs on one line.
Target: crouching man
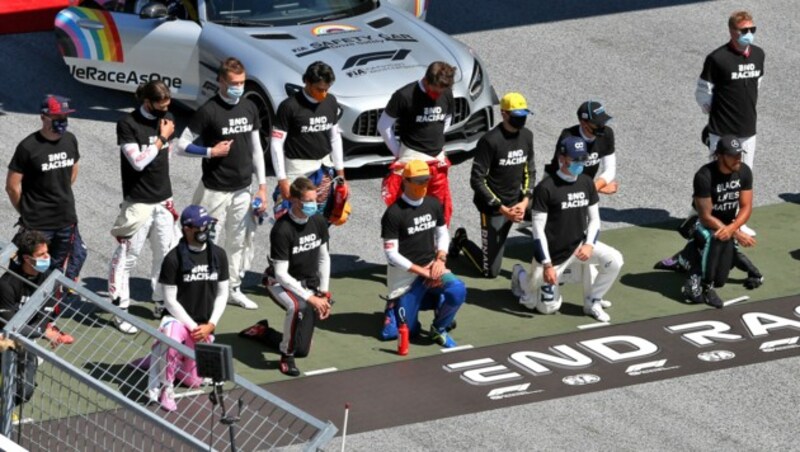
{"points": [[302, 268], [194, 276], [415, 240], [566, 226]]}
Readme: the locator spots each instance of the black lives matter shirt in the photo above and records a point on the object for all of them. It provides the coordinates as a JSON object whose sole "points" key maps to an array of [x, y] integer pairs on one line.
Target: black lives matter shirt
{"points": [[420, 119], [735, 78], [503, 168], [151, 184], [567, 207], [46, 166], [219, 121], [308, 126], [414, 228], [197, 289], [723, 189], [597, 149], [299, 245]]}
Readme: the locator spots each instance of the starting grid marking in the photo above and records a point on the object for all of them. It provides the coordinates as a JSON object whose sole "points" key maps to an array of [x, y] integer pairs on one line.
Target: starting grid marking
{"points": [[736, 300], [321, 371]]}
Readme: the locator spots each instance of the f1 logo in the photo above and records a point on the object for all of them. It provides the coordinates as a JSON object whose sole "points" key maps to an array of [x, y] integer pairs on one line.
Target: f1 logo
{"points": [[364, 58]]}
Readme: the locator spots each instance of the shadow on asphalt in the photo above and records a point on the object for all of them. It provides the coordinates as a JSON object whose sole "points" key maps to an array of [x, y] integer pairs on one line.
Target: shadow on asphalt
{"points": [[790, 197]]}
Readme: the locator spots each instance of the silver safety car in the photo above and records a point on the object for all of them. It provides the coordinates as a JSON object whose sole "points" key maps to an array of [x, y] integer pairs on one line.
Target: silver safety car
{"points": [[374, 47]]}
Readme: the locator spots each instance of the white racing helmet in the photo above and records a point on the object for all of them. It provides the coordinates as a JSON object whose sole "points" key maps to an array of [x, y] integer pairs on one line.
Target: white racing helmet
{"points": [[548, 299]]}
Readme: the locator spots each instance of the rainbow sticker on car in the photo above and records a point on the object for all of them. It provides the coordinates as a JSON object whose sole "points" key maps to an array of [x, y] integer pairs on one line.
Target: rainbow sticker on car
{"points": [[420, 7], [88, 34], [330, 29]]}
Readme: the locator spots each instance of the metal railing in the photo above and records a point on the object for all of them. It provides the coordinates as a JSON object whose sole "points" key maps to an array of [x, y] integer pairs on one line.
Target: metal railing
{"points": [[88, 395]]}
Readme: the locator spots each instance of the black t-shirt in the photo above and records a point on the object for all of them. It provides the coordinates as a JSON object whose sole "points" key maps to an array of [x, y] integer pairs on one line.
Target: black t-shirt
{"points": [[308, 126], [567, 207], [15, 289], [414, 228], [723, 189], [197, 289], [597, 149], [420, 119], [503, 168], [152, 184], [46, 166], [219, 121], [735, 78], [299, 244]]}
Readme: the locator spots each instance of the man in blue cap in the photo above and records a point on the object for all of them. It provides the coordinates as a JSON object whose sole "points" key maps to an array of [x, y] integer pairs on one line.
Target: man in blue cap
{"points": [[566, 226]]}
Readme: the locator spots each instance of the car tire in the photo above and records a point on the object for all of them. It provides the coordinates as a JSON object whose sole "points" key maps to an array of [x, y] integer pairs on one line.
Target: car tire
{"points": [[267, 115]]}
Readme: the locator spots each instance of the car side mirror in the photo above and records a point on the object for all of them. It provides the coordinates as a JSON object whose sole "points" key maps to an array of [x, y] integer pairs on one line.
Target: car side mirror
{"points": [[154, 10]]}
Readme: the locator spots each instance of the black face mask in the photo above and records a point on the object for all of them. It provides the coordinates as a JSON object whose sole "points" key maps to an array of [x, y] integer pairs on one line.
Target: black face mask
{"points": [[159, 114], [517, 122], [599, 132]]}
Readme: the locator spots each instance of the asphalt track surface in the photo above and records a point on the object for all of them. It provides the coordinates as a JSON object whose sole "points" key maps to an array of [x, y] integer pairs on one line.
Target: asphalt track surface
{"points": [[642, 58]]}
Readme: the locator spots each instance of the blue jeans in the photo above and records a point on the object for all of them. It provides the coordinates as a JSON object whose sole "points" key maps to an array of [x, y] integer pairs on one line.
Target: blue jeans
{"points": [[444, 300]]}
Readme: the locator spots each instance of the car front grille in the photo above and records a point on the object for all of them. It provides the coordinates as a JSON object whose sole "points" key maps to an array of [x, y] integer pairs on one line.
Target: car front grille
{"points": [[367, 123]]}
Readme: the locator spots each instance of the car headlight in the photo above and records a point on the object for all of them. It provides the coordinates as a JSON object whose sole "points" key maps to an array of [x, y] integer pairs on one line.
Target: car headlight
{"points": [[291, 89], [476, 81]]}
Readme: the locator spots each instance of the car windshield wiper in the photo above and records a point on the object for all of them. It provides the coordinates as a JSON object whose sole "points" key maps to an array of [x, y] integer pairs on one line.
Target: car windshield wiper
{"points": [[324, 18], [239, 22]]}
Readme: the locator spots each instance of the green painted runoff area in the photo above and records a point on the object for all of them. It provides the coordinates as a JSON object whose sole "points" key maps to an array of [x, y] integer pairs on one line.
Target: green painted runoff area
{"points": [[491, 315]]}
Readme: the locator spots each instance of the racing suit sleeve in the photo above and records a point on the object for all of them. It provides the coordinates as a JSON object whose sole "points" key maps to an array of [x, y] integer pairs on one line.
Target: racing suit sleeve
{"points": [[337, 153], [442, 238], [175, 309], [391, 249], [324, 271], [219, 302], [703, 94], [593, 229], [288, 282], [187, 147], [258, 158], [276, 151], [139, 157], [609, 163], [480, 169], [386, 129], [541, 252]]}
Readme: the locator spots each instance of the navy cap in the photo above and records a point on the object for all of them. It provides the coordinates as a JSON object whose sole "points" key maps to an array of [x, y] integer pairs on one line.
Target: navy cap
{"points": [[195, 216], [594, 112], [729, 145], [574, 148]]}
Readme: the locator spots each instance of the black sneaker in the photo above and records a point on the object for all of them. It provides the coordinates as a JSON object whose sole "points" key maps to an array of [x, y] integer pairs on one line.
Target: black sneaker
{"points": [[711, 298], [288, 366], [668, 263], [753, 282], [458, 241]]}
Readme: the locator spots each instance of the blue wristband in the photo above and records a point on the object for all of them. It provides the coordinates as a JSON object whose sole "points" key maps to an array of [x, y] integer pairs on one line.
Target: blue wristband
{"points": [[196, 150]]}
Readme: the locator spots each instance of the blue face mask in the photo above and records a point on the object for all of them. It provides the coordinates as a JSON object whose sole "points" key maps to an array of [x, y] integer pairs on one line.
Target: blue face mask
{"points": [[309, 208], [60, 126], [746, 39], [235, 92], [41, 265], [576, 168]]}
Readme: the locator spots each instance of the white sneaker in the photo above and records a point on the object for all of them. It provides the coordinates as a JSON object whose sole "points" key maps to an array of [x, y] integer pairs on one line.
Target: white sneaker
{"points": [[605, 304], [594, 309], [124, 326], [239, 299], [517, 273], [747, 230]]}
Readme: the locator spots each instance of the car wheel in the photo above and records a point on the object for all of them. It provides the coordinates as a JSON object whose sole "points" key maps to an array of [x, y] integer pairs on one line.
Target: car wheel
{"points": [[265, 114]]}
